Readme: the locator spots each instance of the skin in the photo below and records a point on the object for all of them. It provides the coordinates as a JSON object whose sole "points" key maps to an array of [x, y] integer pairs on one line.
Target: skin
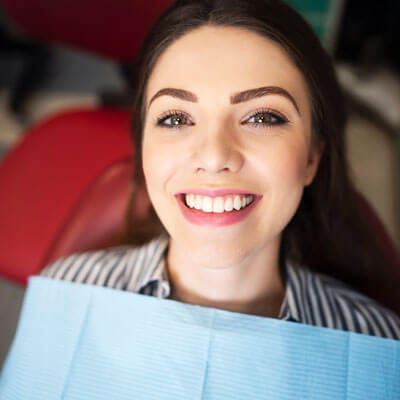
{"points": [[231, 267]]}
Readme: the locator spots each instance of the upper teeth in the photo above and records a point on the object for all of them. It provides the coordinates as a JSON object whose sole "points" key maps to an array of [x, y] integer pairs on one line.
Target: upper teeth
{"points": [[218, 204]]}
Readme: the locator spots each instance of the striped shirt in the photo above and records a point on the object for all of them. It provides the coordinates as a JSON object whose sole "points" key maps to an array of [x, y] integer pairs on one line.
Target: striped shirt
{"points": [[311, 298]]}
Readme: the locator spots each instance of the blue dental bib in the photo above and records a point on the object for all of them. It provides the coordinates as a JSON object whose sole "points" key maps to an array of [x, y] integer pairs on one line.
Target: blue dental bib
{"points": [[83, 342]]}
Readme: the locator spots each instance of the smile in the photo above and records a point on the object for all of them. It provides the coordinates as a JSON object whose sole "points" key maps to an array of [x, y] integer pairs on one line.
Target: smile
{"points": [[218, 204], [218, 209]]}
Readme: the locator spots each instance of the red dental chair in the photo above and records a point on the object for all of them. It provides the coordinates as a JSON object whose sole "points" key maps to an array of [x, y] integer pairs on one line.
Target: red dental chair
{"points": [[81, 159], [64, 188], [111, 29]]}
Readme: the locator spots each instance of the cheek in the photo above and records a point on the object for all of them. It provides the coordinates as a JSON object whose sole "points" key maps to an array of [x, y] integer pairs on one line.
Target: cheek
{"points": [[158, 164], [286, 176], [284, 173], [287, 164], [293, 168]]}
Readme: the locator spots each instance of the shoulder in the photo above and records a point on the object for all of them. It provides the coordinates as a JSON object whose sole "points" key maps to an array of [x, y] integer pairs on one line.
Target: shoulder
{"points": [[123, 267], [347, 309]]}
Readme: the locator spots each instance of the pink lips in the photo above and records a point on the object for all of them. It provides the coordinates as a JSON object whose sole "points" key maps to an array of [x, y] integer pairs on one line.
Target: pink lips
{"points": [[199, 217]]}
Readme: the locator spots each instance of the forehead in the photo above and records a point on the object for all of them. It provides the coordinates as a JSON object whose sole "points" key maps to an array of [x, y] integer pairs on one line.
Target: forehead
{"points": [[223, 60]]}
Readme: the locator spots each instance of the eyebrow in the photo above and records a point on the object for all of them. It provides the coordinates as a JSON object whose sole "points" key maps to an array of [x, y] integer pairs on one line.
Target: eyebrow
{"points": [[235, 98], [178, 93], [251, 94]]}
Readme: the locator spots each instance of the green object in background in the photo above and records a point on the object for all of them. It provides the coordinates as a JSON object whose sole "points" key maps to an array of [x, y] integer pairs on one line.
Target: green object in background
{"points": [[323, 16]]}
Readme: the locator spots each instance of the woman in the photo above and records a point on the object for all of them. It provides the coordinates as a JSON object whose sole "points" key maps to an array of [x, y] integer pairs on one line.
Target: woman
{"points": [[240, 122]]}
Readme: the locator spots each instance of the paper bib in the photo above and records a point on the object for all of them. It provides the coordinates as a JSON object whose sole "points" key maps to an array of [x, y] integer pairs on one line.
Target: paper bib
{"points": [[86, 342]]}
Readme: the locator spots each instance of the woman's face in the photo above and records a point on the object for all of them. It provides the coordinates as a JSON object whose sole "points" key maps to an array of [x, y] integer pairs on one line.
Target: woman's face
{"points": [[226, 109]]}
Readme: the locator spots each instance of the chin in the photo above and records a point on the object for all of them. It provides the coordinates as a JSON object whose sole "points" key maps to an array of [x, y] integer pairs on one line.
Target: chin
{"points": [[218, 253]]}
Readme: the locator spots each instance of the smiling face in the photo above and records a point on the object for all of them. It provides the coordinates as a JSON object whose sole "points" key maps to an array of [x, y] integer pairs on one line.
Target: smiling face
{"points": [[228, 120]]}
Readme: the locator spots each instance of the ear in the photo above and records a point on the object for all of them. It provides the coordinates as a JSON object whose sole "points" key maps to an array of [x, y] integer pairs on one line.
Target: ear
{"points": [[313, 162]]}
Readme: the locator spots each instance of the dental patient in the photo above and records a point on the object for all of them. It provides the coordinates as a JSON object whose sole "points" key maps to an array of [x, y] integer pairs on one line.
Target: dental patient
{"points": [[239, 124]]}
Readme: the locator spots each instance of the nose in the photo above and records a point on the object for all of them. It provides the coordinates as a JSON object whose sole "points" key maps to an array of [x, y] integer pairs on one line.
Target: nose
{"points": [[217, 151]]}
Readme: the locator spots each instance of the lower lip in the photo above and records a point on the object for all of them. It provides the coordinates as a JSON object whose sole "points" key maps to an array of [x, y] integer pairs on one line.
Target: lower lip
{"points": [[199, 217]]}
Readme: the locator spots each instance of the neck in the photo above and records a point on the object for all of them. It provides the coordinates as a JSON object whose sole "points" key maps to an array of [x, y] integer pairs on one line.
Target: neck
{"points": [[251, 285]]}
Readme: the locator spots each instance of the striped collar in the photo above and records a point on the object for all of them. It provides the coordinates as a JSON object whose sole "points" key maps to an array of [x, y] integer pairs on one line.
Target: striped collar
{"points": [[157, 283]]}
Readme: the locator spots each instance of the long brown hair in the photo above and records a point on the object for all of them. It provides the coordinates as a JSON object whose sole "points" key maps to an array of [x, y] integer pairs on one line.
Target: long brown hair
{"points": [[327, 233]]}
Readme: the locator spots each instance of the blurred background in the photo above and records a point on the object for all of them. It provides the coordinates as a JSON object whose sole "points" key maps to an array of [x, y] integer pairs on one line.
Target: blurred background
{"points": [[59, 56]]}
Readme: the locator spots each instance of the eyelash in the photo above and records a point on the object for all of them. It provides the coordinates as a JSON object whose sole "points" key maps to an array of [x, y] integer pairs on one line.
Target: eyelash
{"points": [[169, 114], [280, 119]]}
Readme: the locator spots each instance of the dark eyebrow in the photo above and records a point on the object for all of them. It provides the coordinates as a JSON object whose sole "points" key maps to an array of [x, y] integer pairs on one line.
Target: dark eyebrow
{"points": [[179, 93], [262, 91], [234, 99]]}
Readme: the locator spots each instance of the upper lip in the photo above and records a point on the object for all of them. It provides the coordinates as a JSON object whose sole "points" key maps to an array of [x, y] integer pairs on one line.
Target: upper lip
{"points": [[216, 192]]}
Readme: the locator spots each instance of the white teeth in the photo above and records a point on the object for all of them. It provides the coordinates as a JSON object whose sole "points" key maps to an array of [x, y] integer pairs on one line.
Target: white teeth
{"points": [[237, 203], [207, 205], [217, 204], [189, 200], [197, 203], [228, 204]]}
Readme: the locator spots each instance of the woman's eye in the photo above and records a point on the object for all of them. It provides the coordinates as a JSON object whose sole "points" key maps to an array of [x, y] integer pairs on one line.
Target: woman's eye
{"points": [[176, 120], [262, 119]]}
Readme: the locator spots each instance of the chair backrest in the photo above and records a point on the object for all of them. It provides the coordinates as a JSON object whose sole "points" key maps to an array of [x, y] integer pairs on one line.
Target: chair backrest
{"points": [[112, 29], [64, 188]]}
